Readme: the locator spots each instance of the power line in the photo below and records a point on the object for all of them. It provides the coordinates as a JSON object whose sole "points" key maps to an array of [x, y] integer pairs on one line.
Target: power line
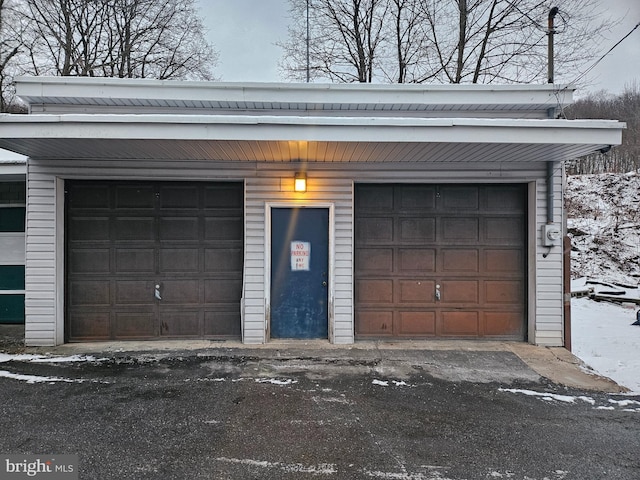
{"points": [[605, 55]]}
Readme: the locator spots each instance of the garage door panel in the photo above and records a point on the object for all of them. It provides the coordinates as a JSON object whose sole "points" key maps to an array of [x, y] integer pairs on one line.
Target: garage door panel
{"points": [[375, 260], [90, 324], [504, 292], [418, 197], [83, 229], [134, 292], [417, 324], [134, 325], [179, 323], [183, 260], [222, 228], [376, 230], [91, 292], [460, 291], [501, 324], [134, 229], [414, 230], [416, 259], [135, 260], [224, 290], [374, 291], [180, 292], [91, 196], [223, 196], [222, 323], [179, 228], [179, 197], [467, 239], [375, 197], [416, 291], [503, 260], [460, 260], [374, 322], [90, 260], [506, 199], [460, 230], [136, 196], [223, 260], [503, 231], [460, 198], [461, 324]]}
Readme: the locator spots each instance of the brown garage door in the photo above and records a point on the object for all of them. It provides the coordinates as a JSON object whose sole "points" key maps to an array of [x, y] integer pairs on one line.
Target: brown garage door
{"points": [[440, 261], [148, 260]]}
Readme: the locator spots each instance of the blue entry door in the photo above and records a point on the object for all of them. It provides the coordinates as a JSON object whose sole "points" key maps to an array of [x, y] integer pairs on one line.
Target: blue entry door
{"points": [[299, 272]]}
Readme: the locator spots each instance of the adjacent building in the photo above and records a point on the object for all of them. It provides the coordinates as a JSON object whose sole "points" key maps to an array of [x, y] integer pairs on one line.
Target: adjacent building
{"points": [[12, 221]]}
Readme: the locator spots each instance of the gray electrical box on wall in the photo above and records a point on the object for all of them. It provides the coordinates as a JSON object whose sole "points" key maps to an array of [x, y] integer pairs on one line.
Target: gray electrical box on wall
{"points": [[551, 235]]}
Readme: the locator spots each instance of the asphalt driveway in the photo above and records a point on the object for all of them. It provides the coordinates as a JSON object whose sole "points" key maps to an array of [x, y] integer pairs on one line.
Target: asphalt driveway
{"points": [[239, 414]]}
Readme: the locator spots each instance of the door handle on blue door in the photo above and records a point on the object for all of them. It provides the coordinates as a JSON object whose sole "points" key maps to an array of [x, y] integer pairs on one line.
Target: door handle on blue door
{"points": [[324, 284]]}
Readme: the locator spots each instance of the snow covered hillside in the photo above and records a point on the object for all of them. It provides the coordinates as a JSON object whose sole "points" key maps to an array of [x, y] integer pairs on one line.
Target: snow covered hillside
{"points": [[604, 225]]}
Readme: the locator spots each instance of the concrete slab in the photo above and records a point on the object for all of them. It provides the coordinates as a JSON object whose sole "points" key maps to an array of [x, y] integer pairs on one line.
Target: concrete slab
{"points": [[453, 360]]}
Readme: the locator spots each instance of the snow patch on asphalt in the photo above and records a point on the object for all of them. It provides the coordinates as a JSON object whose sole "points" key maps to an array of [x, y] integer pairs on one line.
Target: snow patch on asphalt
{"points": [[624, 403], [547, 396], [275, 381], [341, 400], [320, 469], [36, 378], [30, 358], [385, 383]]}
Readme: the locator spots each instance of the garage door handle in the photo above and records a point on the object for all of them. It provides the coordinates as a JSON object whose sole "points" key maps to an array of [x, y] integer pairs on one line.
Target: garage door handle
{"points": [[157, 292], [438, 292]]}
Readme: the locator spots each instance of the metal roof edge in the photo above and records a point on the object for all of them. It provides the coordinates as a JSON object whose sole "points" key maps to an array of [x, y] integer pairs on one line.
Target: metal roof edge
{"points": [[66, 90]]}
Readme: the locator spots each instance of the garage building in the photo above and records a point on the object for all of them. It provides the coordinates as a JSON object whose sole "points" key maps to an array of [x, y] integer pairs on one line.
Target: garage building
{"points": [[260, 212]]}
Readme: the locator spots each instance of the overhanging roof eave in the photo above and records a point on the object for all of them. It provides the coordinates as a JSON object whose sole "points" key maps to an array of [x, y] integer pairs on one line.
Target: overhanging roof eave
{"points": [[332, 129]]}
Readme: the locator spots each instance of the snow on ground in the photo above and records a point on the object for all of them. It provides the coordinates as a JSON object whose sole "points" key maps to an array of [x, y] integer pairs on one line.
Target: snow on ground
{"points": [[603, 220], [602, 336], [26, 357], [36, 378]]}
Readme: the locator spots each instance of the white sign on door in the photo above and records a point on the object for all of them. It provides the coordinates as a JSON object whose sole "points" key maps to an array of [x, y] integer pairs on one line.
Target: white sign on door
{"points": [[300, 256]]}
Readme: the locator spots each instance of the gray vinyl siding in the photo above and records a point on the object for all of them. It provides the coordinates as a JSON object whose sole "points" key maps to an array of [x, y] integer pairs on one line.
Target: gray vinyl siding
{"points": [[549, 328], [271, 182], [40, 260]]}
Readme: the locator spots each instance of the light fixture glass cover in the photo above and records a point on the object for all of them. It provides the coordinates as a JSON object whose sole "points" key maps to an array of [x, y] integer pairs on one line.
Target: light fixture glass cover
{"points": [[300, 182]]}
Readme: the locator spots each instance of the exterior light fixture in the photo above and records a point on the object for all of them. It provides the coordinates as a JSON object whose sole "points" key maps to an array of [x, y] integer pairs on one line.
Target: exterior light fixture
{"points": [[300, 182]]}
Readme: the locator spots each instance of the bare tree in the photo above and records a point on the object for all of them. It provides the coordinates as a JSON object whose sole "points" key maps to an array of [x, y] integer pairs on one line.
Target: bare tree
{"points": [[624, 107], [121, 38], [10, 46], [410, 41], [448, 41], [346, 39]]}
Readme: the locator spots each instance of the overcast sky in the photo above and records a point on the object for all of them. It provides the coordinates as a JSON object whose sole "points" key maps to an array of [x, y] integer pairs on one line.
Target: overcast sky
{"points": [[244, 32]]}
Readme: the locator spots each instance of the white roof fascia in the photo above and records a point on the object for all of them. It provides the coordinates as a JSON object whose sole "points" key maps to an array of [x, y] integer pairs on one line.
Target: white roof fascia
{"points": [[84, 90], [12, 171], [339, 129]]}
